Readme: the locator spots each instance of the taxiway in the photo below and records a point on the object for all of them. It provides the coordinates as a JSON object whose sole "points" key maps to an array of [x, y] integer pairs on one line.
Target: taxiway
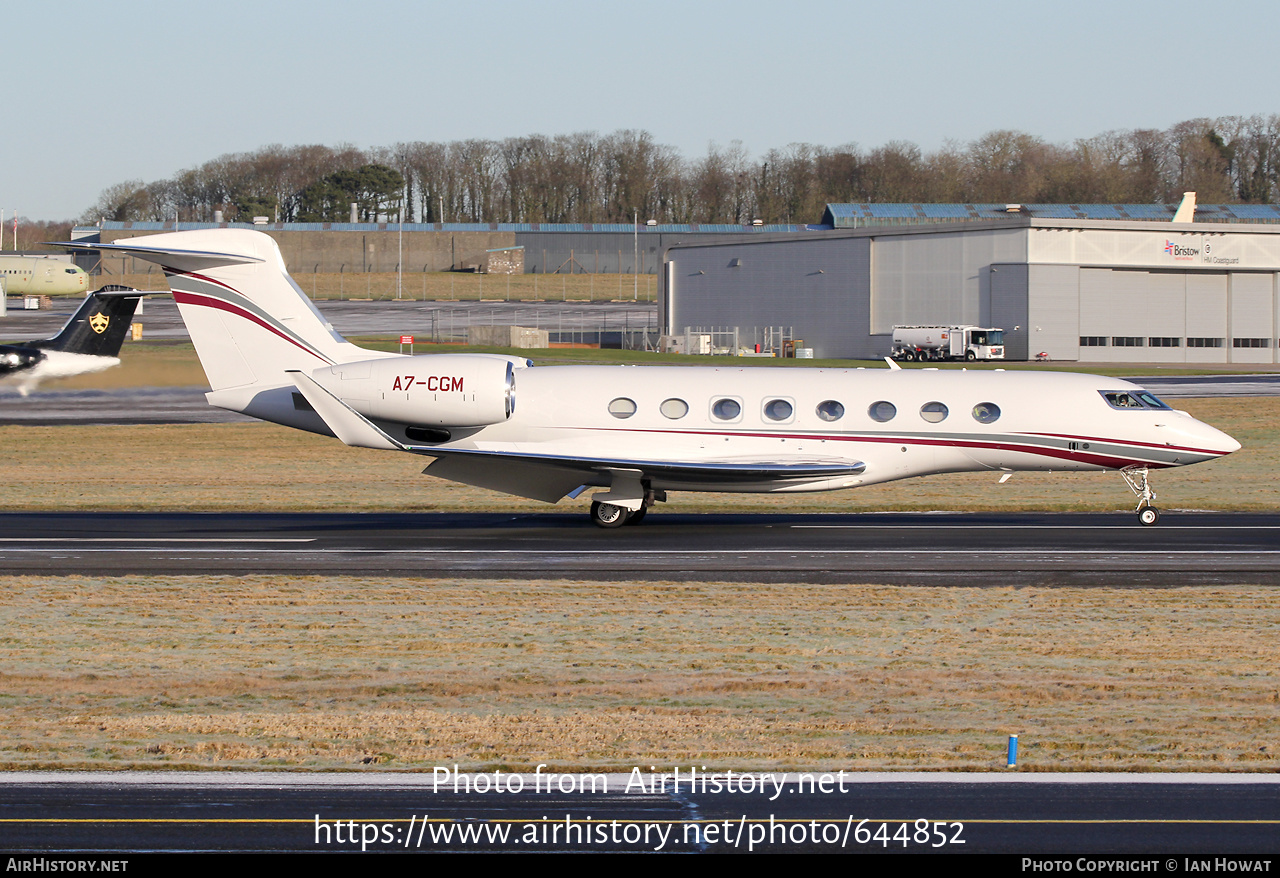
{"points": [[897, 548], [1080, 814]]}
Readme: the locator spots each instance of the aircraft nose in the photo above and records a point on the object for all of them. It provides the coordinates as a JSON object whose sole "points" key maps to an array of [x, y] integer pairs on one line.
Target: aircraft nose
{"points": [[1218, 441]]}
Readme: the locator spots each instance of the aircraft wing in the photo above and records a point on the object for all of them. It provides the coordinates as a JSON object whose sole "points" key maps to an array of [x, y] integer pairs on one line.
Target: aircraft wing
{"points": [[727, 471], [551, 476]]}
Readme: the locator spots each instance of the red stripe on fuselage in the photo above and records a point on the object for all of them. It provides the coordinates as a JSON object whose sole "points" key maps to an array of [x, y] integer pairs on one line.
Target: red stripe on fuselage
{"points": [[1073, 437], [1106, 461]]}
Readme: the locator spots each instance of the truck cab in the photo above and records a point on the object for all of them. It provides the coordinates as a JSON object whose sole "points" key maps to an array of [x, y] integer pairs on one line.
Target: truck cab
{"points": [[985, 344]]}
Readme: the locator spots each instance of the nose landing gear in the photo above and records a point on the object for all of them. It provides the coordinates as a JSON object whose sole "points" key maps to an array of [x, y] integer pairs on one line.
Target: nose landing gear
{"points": [[1136, 478]]}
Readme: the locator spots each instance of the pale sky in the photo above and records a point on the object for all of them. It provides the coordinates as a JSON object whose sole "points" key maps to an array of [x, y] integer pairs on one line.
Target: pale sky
{"points": [[99, 93]]}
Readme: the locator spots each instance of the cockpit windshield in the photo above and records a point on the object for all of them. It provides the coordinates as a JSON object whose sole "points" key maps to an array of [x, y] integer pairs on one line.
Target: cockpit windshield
{"points": [[1151, 400], [1132, 399]]}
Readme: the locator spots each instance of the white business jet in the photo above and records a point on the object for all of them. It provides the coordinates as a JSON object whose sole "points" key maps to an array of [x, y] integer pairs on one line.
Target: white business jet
{"points": [[641, 431]]}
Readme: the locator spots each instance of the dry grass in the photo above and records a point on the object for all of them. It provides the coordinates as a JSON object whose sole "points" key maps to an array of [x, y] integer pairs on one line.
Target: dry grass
{"points": [[339, 673], [264, 467], [141, 365]]}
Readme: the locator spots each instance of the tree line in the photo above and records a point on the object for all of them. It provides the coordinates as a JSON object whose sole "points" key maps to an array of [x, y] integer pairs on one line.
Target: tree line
{"points": [[588, 177]]}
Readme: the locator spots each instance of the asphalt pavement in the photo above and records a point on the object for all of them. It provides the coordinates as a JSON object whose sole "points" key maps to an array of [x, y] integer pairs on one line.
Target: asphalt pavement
{"points": [[948, 549], [1152, 819]]}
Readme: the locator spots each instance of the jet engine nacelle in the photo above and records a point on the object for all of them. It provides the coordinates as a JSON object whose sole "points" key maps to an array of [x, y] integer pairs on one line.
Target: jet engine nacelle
{"points": [[15, 359], [438, 390]]}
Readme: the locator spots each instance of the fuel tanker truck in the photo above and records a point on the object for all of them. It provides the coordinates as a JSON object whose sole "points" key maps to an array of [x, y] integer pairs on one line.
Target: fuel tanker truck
{"points": [[912, 343]]}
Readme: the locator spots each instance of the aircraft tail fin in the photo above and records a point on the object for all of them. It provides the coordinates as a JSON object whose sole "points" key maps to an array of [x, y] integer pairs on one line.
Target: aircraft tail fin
{"points": [[99, 326], [250, 323], [1186, 212]]}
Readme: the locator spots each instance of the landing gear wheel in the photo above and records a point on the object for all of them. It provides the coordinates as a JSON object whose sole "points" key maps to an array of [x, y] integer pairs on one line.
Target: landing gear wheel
{"points": [[1136, 478], [637, 515], [607, 515]]}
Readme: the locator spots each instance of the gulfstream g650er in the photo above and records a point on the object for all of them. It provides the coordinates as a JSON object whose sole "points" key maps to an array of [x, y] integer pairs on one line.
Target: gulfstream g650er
{"points": [[638, 432]]}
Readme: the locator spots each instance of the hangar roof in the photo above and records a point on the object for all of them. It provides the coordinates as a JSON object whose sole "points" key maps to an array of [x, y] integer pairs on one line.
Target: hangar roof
{"points": [[627, 228], [846, 216]]}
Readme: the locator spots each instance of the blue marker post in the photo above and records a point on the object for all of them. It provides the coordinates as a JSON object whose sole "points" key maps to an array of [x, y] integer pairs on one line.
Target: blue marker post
{"points": [[1013, 751]]}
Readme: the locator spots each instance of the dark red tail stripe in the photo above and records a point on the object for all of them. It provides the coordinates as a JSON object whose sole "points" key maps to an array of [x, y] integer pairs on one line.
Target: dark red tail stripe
{"points": [[200, 277], [187, 298]]}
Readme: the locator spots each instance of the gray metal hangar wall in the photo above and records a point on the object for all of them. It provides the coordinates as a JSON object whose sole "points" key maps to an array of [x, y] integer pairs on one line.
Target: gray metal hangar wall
{"points": [[1077, 290], [379, 247]]}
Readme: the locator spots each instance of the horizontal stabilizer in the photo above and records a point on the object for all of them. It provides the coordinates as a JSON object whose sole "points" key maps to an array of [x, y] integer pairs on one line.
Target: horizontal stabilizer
{"points": [[170, 257], [116, 291]]}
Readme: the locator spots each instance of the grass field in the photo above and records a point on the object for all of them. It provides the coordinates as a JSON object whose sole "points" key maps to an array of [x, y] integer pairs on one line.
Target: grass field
{"points": [[213, 672]]}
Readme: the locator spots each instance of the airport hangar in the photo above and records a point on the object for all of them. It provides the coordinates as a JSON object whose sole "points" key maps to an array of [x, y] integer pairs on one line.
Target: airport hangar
{"points": [[522, 248], [1057, 281]]}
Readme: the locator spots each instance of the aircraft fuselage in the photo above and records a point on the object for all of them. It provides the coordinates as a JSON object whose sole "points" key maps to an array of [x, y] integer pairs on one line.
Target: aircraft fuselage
{"points": [[41, 275], [930, 423]]}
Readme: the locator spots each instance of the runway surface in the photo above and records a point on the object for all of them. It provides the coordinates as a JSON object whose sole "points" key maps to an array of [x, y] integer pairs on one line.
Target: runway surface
{"points": [[1145, 816], [1184, 386], [130, 405], [910, 549]]}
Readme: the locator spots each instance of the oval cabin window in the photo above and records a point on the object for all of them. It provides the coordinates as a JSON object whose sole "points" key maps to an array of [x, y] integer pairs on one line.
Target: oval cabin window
{"points": [[674, 408], [778, 410], [882, 411], [830, 410], [933, 412], [726, 409], [622, 407], [986, 412]]}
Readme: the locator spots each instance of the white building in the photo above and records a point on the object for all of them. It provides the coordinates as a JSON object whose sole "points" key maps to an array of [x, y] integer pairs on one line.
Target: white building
{"points": [[1076, 289]]}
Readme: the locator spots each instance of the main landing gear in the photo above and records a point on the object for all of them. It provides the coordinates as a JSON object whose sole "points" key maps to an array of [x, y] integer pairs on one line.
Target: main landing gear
{"points": [[606, 514], [609, 515], [1136, 478]]}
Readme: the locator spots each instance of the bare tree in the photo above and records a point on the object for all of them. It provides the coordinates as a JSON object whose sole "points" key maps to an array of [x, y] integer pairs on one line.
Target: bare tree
{"points": [[587, 178], [1255, 156]]}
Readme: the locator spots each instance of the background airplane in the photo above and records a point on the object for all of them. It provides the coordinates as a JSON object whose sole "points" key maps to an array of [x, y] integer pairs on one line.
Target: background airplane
{"points": [[41, 275], [89, 342], [640, 432]]}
